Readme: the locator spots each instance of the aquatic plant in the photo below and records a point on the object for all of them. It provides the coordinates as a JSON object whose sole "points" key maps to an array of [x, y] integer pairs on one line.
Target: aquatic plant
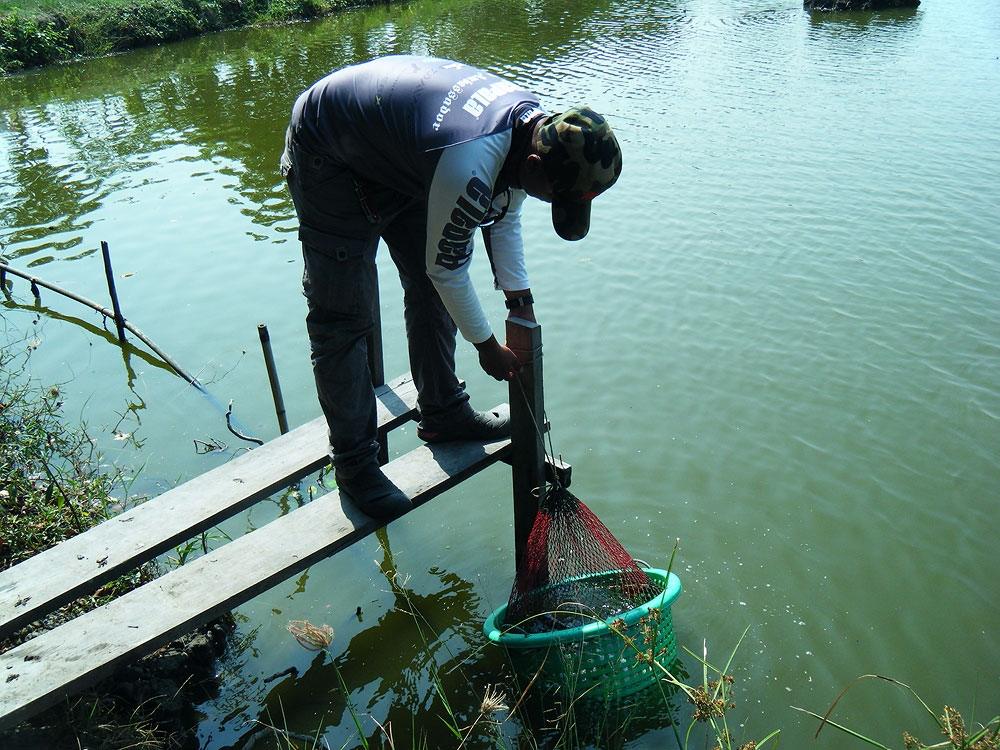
{"points": [[949, 723]]}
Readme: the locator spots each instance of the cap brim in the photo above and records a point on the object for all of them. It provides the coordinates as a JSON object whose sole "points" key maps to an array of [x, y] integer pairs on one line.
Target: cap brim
{"points": [[571, 219]]}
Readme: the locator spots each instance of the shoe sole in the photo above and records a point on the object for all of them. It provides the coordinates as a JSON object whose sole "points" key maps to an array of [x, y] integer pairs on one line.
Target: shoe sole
{"points": [[437, 437]]}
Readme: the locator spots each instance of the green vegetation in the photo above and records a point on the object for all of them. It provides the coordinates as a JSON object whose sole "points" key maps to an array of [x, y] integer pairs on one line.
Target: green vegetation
{"points": [[53, 487], [39, 32], [52, 483], [949, 723], [699, 709]]}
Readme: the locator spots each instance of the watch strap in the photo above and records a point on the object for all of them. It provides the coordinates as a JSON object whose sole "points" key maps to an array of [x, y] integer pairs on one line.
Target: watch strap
{"points": [[521, 300]]}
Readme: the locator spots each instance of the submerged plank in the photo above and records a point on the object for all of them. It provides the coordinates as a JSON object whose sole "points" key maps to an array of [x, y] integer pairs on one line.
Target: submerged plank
{"points": [[46, 581], [42, 671]]}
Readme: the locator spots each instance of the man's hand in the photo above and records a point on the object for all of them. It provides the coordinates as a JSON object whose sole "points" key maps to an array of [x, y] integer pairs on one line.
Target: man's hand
{"points": [[497, 360]]}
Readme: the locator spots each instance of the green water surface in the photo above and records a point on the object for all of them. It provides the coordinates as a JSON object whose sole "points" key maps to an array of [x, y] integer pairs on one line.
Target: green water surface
{"points": [[780, 342]]}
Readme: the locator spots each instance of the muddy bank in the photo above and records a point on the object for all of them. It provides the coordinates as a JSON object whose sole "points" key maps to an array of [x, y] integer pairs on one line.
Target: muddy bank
{"points": [[150, 703]]}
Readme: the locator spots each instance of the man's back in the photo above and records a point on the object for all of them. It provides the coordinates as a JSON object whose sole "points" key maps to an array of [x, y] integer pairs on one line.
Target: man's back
{"points": [[389, 118]]}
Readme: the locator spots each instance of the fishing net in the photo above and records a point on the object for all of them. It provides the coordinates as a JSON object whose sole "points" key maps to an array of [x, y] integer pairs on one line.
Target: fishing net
{"points": [[574, 570]]}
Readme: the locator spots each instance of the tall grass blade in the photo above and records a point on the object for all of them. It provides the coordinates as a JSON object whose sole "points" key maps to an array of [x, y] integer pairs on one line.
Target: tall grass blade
{"points": [[350, 707], [829, 711], [827, 720], [993, 725], [769, 737], [729, 662]]}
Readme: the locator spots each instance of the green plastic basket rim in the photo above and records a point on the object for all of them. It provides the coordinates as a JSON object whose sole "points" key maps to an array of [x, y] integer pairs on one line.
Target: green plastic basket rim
{"points": [[591, 629]]}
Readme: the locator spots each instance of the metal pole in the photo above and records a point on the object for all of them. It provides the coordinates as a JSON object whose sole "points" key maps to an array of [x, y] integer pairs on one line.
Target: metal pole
{"points": [[272, 377], [527, 409], [119, 319]]}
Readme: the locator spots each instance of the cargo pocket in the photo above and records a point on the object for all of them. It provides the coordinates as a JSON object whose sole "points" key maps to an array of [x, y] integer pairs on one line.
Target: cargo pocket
{"points": [[337, 246], [339, 273]]}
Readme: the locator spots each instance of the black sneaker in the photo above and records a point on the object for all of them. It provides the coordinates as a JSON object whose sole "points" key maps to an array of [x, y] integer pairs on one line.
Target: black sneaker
{"points": [[372, 492], [469, 425]]}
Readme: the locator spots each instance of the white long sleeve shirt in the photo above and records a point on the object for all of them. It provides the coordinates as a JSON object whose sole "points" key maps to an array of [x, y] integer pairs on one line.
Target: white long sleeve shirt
{"points": [[458, 200]]}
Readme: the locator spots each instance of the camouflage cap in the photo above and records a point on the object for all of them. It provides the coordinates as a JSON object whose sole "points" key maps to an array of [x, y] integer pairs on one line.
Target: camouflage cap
{"points": [[581, 159]]}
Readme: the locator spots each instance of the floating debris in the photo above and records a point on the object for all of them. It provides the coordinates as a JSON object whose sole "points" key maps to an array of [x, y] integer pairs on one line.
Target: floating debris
{"points": [[309, 636]]}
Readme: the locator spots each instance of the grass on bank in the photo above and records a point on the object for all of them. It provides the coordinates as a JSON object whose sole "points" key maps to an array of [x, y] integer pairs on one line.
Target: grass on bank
{"points": [[53, 486], [41, 32]]}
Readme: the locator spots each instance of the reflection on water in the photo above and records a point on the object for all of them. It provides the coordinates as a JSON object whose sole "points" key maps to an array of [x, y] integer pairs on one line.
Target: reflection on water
{"points": [[876, 35], [421, 661], [898, 21], [106, 121]]}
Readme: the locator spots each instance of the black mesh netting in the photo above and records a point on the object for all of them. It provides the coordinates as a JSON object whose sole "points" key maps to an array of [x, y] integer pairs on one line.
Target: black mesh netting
{"points": [[574, 570]]}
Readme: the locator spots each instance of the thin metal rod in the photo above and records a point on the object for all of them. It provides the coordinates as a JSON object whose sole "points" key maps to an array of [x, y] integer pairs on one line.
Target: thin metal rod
{"points": [[376, 367], [36, 282], [272, 377], [119, 318]]}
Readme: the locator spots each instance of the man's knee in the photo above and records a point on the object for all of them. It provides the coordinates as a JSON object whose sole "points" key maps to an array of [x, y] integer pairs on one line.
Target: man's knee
{"points": [[334, 328]]}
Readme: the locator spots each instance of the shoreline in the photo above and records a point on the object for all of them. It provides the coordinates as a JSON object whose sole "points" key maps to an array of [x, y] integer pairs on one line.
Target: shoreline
{"points": [[74, 30]]}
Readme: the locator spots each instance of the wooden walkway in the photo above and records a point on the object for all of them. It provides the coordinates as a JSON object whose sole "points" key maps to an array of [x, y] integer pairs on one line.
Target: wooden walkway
{"points": [[39, 673], [46, 669], [45, 582]]}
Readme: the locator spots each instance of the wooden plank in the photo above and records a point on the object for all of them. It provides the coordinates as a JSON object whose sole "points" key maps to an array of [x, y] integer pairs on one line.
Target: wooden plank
{"points": [[42, 671], [46, 581]]}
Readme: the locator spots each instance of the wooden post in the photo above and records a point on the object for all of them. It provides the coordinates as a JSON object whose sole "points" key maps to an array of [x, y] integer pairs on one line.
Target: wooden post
{"points": [[527, 409], [119, 319], [376, 367]]}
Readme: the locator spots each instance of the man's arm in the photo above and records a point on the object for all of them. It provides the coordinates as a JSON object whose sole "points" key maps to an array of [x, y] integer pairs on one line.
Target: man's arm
{"points": [[457, 201], [505, 245]]}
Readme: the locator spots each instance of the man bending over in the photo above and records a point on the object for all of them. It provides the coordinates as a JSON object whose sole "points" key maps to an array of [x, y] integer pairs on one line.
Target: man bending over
{"points": [[421, 152]]}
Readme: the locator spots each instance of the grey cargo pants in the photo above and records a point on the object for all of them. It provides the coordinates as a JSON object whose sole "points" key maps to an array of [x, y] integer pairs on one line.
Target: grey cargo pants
{"points": [[341, 220]]}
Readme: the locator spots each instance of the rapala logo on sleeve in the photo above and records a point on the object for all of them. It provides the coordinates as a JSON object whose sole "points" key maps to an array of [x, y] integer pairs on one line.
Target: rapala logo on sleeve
{"points": [[484, 97], [455, 246]]}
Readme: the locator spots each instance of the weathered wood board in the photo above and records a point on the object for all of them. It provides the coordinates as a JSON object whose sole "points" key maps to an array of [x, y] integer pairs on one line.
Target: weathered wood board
{"points": [[48, 580], [42, 671]]}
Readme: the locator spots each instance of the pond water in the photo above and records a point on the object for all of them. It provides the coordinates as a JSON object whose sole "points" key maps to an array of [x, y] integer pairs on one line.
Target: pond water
{"points": [[780, 342]]}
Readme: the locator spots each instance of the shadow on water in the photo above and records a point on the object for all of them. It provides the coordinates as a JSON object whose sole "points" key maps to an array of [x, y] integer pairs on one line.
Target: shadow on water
{"points": [[423, 660]]}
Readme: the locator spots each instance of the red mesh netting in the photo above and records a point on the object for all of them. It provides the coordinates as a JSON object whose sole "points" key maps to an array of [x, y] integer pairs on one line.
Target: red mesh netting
{"points": [[573, 570]]}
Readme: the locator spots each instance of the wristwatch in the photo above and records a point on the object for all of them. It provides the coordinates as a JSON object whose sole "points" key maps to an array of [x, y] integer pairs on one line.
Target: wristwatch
{"points": [[520, 301]]}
